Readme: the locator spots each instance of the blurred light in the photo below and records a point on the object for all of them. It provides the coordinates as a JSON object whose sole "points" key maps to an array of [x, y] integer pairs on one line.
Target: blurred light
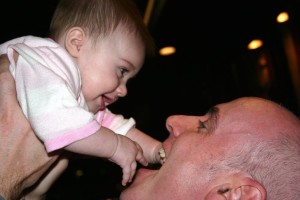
{"points": [[79, 173], [282, 17], [255, 44], [148, 11], [166, 51]]}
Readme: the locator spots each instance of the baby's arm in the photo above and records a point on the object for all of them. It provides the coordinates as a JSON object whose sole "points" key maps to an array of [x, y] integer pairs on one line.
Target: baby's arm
{"points": [[152, 148], [117, 148]]}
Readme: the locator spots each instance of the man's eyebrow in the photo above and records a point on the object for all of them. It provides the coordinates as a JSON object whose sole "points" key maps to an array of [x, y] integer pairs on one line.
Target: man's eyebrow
{"points": [[213, 114]]}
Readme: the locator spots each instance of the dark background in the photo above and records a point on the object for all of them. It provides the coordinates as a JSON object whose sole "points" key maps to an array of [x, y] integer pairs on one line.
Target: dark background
{"points": [[211, 65]]}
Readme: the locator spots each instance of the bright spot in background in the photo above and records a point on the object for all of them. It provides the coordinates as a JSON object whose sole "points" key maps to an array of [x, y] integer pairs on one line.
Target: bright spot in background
{"points": [[255, 44], [282, 17], [166, 51]]}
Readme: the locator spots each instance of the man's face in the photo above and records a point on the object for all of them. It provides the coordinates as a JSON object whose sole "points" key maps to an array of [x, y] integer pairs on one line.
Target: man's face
{"points": [[196, 147]]}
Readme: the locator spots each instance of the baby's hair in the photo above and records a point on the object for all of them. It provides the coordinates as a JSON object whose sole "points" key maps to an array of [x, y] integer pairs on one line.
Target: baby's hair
{"points": [[99, 18]]}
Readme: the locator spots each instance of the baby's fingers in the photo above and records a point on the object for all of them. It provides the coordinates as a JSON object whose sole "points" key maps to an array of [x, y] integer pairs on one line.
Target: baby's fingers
{"points": [[141, 159], [128, 173]]}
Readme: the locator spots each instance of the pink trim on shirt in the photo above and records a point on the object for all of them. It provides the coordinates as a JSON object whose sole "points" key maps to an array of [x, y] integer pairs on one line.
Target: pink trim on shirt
{"points": [[75, 135]]}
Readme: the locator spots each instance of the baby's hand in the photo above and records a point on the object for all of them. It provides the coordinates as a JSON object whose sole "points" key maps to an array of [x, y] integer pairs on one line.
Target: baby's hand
{"points": [[156, 154], [126, 154]]}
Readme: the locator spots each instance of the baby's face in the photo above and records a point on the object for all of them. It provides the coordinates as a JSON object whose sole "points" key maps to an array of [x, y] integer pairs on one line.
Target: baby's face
{"points": [[106, 67]]}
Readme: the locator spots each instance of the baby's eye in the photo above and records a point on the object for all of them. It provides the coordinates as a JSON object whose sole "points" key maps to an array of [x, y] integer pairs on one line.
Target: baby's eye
{"points": [[123, 71]]}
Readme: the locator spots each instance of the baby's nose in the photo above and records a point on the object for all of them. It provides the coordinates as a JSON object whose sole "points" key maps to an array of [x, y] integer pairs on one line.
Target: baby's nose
{"points": [[122, 90]]}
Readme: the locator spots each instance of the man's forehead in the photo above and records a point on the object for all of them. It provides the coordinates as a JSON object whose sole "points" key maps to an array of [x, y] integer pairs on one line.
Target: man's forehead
{"points": [[244, 109], [245, 103], [254, 111]]}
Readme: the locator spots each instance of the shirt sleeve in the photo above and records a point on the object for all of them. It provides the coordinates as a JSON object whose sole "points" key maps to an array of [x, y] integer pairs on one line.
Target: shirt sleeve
{"points": [[116, 123]]}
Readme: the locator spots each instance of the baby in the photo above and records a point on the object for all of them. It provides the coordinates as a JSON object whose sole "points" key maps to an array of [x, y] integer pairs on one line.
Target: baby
{"points": [[65, 82]]}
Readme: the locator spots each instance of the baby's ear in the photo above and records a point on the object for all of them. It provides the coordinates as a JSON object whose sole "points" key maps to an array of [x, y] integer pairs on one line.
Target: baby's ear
{"points": [[75, 39], [237, 187]]}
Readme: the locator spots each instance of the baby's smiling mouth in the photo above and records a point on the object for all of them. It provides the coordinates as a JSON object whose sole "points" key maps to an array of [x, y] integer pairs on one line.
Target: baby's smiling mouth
{"points": [[105, 101], [102, 104], [109, 100]]}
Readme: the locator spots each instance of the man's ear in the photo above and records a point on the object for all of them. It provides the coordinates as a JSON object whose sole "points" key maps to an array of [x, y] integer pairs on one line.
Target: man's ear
{"points": [[237, 187], [75, 39]]}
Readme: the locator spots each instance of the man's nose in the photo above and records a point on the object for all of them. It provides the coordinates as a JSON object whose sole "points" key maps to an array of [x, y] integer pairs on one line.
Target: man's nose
{"points": [[122, 90], [174, 124]]}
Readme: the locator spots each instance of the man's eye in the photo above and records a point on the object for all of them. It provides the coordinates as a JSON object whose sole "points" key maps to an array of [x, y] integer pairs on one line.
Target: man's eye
{"points": [[201, 125]]}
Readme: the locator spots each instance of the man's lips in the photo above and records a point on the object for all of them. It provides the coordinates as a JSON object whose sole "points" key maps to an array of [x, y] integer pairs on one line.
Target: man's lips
{"points": [[144, 172]]}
